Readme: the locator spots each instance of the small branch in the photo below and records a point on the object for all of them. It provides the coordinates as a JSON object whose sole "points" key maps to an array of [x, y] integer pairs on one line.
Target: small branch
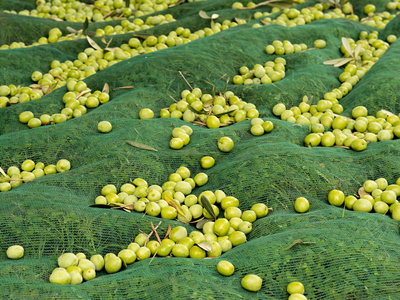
{"points": [[140, 230], [171, 98], [297, 242], [185, 80], [123, 87], [155, 232], [168, 232]]}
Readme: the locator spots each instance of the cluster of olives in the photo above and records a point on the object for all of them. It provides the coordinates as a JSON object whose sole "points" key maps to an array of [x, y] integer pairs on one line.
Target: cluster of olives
{"points": [[99, 11], [393, 5], [211, 111], [174, 200], [374, 195], [272, 71], [180, 137], [347, 132], [286, 47], [259, 126], [291, 17], [379, 20], [296, 291], [28, 171], [11, 94], [126, 26], [218, 236], [355, 132], [178, 186], [92, 60], [77, 100]]}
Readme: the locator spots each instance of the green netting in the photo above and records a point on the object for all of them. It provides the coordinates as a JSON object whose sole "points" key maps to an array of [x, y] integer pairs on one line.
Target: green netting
{"points": [[354, 256]]}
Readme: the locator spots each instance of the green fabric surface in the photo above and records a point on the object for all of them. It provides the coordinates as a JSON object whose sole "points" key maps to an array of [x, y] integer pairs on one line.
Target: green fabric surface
{"points": [[352, 256]]}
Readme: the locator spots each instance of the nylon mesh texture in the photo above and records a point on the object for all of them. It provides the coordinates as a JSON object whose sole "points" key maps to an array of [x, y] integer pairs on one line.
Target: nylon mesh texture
{"points": [[352, 256]]}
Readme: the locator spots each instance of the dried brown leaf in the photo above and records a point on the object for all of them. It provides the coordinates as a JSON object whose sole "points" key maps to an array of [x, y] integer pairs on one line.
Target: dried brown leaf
{"points": [[362, 192]]}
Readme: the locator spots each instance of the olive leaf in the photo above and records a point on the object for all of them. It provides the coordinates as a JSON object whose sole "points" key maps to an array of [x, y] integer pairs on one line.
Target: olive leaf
{"points": [[106, 88], [71, 30], [297, 242], [127, 3], [226, 112], [207, 205], [284, 4], [2, 172], [338, 62], [141, 146], [175, 205], [85, 26], [206, 246], [200, 224], [195, 110], [93, 43], [362, 192], [204, 15]]}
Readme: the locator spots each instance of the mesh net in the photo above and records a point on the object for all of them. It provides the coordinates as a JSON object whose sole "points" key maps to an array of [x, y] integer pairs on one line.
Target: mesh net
{"points": [[352, 256]]}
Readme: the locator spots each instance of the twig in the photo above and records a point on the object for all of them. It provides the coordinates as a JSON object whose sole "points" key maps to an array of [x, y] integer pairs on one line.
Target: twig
{"points": [[155, 253], [148, 237], [155, 232], [140, 230], [185, 80], [123, 87], [297, 242], [168, 232], [171, 98]]}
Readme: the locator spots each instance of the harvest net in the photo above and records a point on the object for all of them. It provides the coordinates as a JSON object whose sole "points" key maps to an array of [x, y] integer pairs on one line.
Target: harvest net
{"points": [[350, 255]]}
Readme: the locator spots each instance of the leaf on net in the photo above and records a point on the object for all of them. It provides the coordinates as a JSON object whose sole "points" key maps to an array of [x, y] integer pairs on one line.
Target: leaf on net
{"points": [[85, 26], [93, 43], [141, 146], [207, 205], [106, 88], [56, 19], [337, 62], [203, 14], [343, 62], [71, 30], [175, 205], [206, 246]]}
